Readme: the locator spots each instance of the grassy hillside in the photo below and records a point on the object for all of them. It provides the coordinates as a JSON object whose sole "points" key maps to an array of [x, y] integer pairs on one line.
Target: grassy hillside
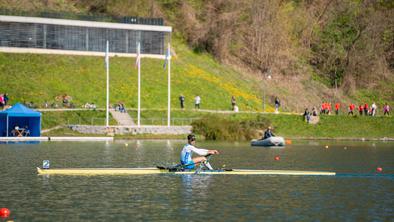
{"points": [[40, 78], [307, 46]]}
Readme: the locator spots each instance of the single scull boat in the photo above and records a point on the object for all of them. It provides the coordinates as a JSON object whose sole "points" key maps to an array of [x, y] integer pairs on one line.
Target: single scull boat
{"points": [[155, 170]]}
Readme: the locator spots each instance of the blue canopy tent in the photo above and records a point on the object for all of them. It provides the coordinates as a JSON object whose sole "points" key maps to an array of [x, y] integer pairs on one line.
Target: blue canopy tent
{"points": [[21, 116]]}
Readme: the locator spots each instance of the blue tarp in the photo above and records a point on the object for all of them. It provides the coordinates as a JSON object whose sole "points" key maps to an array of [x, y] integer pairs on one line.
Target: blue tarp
{"points": [[21, 116]]}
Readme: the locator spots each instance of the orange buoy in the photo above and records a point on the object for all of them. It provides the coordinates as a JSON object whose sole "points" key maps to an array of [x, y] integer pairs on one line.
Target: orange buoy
{"points": [[379, 169], [4, 212], [277, 158], [288, 141]]}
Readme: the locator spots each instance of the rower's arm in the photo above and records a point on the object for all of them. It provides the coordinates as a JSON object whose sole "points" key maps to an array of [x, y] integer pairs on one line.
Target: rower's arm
{"points": [[201, 152]]}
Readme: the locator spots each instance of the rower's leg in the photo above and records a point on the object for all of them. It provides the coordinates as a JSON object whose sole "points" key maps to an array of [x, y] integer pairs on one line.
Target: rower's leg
{"points": [[202, 160], [198, 160], [208, 165]]}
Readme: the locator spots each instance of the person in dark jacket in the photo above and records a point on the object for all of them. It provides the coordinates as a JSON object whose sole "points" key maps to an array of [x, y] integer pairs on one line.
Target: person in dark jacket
{"points": [[182, 101], [268, 133]]}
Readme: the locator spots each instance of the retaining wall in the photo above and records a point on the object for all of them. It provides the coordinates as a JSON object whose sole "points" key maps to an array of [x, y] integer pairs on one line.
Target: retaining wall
{"points": [[134, 130]]}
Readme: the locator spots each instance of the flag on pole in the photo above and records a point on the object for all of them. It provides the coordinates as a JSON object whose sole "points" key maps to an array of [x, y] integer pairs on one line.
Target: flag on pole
{"points": [[107, 55], [168, 56], [138, 58]]}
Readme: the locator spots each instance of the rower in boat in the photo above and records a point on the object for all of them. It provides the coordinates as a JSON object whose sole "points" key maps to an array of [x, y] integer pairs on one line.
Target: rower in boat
{"points": [[187, 162]]}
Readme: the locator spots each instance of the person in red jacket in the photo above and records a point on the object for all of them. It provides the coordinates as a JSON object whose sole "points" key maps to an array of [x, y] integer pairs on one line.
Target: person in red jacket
{"points": [[366, 109], [360, 110], [337, 108], [351, 108]]}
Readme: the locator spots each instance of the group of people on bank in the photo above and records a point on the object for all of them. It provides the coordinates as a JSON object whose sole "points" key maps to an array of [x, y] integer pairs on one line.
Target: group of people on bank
{"points": [[368, 110], [362, 109], [197, 102]]}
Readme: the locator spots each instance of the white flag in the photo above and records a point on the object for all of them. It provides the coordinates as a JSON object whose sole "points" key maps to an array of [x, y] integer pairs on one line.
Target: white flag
{"points": [[138, 58], [168, 56], [107, 55]]}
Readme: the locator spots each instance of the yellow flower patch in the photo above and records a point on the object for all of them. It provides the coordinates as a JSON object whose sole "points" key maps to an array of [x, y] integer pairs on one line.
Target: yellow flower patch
{"points": [[193, 71]]}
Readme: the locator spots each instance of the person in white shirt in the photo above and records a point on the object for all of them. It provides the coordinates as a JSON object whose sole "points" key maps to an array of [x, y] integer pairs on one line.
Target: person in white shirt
{"points": [[186, 154], [197, 102], [373, 109]]}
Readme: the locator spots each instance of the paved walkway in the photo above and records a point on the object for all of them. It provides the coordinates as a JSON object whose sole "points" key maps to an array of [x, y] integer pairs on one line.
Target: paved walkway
{"points": [[123, 119], [172, 109]]}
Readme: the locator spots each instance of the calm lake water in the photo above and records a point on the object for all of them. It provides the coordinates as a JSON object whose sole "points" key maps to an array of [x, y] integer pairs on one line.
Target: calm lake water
{"points": [[356, 194]]}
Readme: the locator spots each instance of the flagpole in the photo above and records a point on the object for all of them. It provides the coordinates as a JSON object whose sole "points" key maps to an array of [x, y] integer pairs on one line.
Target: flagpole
{"points": [[169, 85], [139, 84], [107, 103]]}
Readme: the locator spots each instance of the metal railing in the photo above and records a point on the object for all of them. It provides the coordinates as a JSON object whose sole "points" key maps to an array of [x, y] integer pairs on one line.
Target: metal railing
{"points": [[144, 121], [84, 17]]}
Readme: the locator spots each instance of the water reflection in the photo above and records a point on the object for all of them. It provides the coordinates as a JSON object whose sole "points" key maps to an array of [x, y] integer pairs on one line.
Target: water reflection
{"points": [[195, 184]]}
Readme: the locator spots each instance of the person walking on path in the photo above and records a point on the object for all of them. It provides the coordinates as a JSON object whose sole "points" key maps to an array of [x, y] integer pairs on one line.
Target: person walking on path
{"points": [[233, 102], [386, 109], [277, 104], [197, 101], [182, 101]]}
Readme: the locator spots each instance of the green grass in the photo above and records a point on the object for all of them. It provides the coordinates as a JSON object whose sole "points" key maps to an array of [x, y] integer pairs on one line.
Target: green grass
{"points": [[293, 126], [333, 126], [88, 117], [288, 126], [40, 78]]}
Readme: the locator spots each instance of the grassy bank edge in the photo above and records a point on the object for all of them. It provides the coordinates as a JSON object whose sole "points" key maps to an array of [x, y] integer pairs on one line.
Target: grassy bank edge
{"points": [[289, 126]]}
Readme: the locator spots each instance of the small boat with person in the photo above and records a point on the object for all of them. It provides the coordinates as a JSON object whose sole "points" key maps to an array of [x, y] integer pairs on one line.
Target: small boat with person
{"points": [[271, 141]]}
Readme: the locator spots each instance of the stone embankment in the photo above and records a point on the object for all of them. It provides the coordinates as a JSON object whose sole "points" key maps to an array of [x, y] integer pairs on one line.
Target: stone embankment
{"points": [[133, 130]]}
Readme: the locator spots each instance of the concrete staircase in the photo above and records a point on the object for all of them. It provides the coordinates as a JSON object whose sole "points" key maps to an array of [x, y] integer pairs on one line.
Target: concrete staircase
{"points": [[123, 119]]}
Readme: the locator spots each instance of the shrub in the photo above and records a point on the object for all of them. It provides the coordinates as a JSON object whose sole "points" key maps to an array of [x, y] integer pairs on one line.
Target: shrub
{"points": [[215, 127]]}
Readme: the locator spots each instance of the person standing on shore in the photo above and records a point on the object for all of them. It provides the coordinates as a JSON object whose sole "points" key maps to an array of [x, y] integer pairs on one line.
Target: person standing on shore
{"points": [[233, 102], [386, 109], [2, 104], [277, 104], [6, 99], [351, 108], [197, 101], [360, 110], [366, 109], [182, 101], [373, 109], [337, 105]]}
